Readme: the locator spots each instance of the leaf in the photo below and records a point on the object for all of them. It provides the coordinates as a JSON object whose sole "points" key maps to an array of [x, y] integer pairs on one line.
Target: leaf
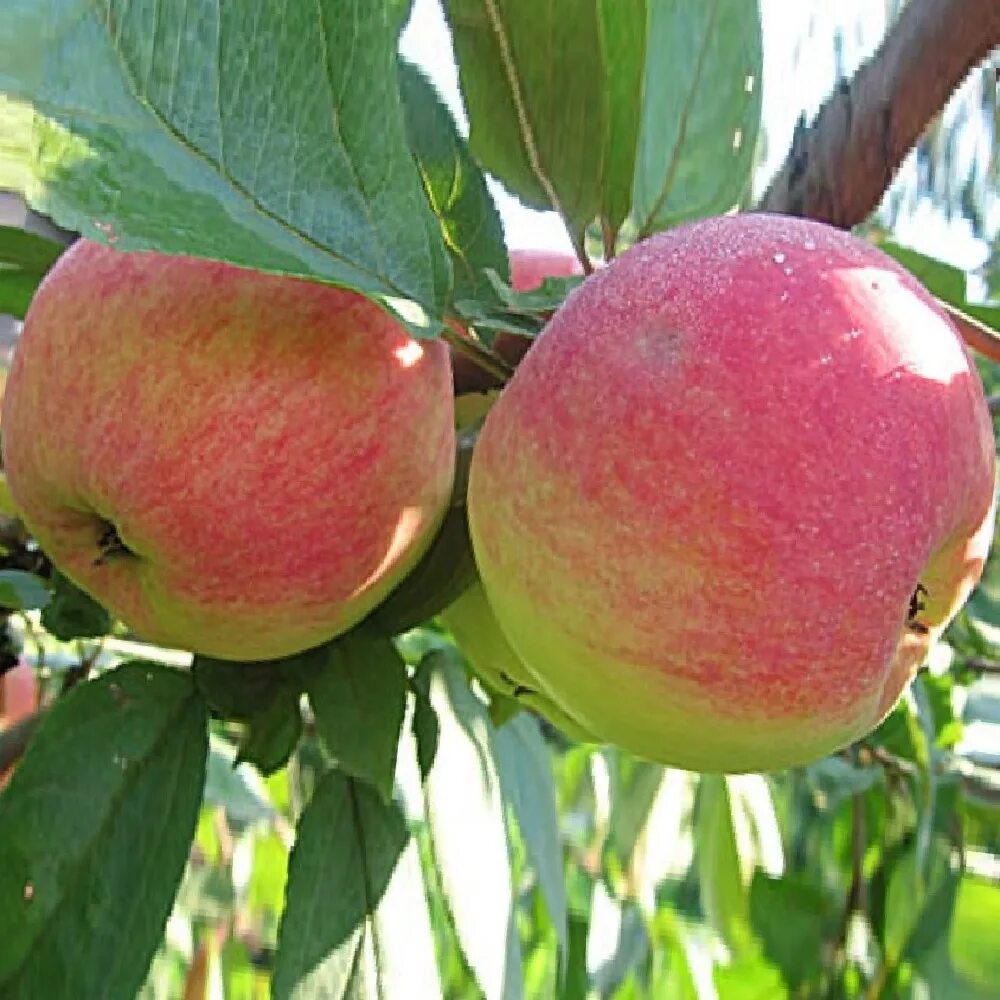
{"points": [[359, 700], [972, 935], [724, 897], [251, 133], [95, 828], [465, 811], [576, 981], [941, 279], [635, 784], [264, 696], [454, 185], [792, 917], [355, 922], [272, 737], [426, 729], [525, 768], [72, 613], [24, 260], [22, 591], [750, 978], [701, 111], [533, 82], [622, 26]]}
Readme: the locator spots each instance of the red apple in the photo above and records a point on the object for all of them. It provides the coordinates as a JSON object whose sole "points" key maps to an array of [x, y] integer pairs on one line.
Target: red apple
{"points": [[471, 621], [18, 693], [741, 482], [236, 463], [18, 699]]}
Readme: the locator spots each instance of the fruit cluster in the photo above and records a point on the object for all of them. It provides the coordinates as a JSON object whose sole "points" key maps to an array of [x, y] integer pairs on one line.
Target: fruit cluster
{"points": [[740, 483]]}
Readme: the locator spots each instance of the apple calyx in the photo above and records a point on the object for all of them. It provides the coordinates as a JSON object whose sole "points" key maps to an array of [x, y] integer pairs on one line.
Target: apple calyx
{"points": [[110, 544]]}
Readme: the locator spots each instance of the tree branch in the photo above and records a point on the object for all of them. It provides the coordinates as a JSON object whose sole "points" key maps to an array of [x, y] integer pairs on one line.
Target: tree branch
{"points": [[839, 168]]}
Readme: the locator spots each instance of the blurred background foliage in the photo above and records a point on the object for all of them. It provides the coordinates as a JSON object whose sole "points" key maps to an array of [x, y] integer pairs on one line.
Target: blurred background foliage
{"points": [[872, 873]]}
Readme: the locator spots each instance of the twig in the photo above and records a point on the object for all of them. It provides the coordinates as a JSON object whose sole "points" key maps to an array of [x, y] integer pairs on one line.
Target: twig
{"points": [[976, 334], [981, 663], [839, 168], [480, 356]]}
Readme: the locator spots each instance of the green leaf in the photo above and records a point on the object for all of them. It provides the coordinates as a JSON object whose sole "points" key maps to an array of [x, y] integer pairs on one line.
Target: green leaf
{"points": [[426, 729], [465, 811], [834, 779], [633, 790], [272, 736], [701, 111], [95, 829], [751, 978], [724, 897], [24, 260], [355, 923], [359, 700], [454, 184], [22, 591], [622, 26], [525, 768], [941, 279], [249, 133], [533, 83], [576, 983], [265, 697], [973, 933], [792, 917], [72, 613]]}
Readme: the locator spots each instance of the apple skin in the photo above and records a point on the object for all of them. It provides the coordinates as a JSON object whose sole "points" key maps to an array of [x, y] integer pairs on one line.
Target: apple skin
{"points": [[18, 699], [275, 454], [472, 622], [704, 502]]}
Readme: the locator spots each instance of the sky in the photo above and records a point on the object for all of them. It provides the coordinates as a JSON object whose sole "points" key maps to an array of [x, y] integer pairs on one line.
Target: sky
{"points": [[796, 80]]}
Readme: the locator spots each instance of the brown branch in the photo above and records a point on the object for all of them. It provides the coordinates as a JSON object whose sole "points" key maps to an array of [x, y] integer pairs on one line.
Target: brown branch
{"points": [[470, 356], [981, 663], [839, 168], [976, 334]]}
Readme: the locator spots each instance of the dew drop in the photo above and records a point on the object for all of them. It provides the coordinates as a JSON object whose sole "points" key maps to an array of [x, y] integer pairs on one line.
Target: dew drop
{"points": [[779, 258]]}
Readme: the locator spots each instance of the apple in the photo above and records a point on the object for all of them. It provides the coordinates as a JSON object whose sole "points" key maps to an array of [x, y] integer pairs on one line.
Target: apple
{"points": [[235, 463], [18, 699], [741, 482], [18, 693], [472, 622], [528, 269]]}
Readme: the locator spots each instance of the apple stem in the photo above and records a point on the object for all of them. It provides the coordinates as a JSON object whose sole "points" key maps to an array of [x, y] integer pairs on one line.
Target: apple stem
{"points": [[478, 354], [111, 545]]}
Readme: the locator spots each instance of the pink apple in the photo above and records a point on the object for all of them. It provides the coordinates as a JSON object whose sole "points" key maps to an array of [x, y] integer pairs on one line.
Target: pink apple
{"points": [[741, 482], [235, 463], [471, 621]]}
